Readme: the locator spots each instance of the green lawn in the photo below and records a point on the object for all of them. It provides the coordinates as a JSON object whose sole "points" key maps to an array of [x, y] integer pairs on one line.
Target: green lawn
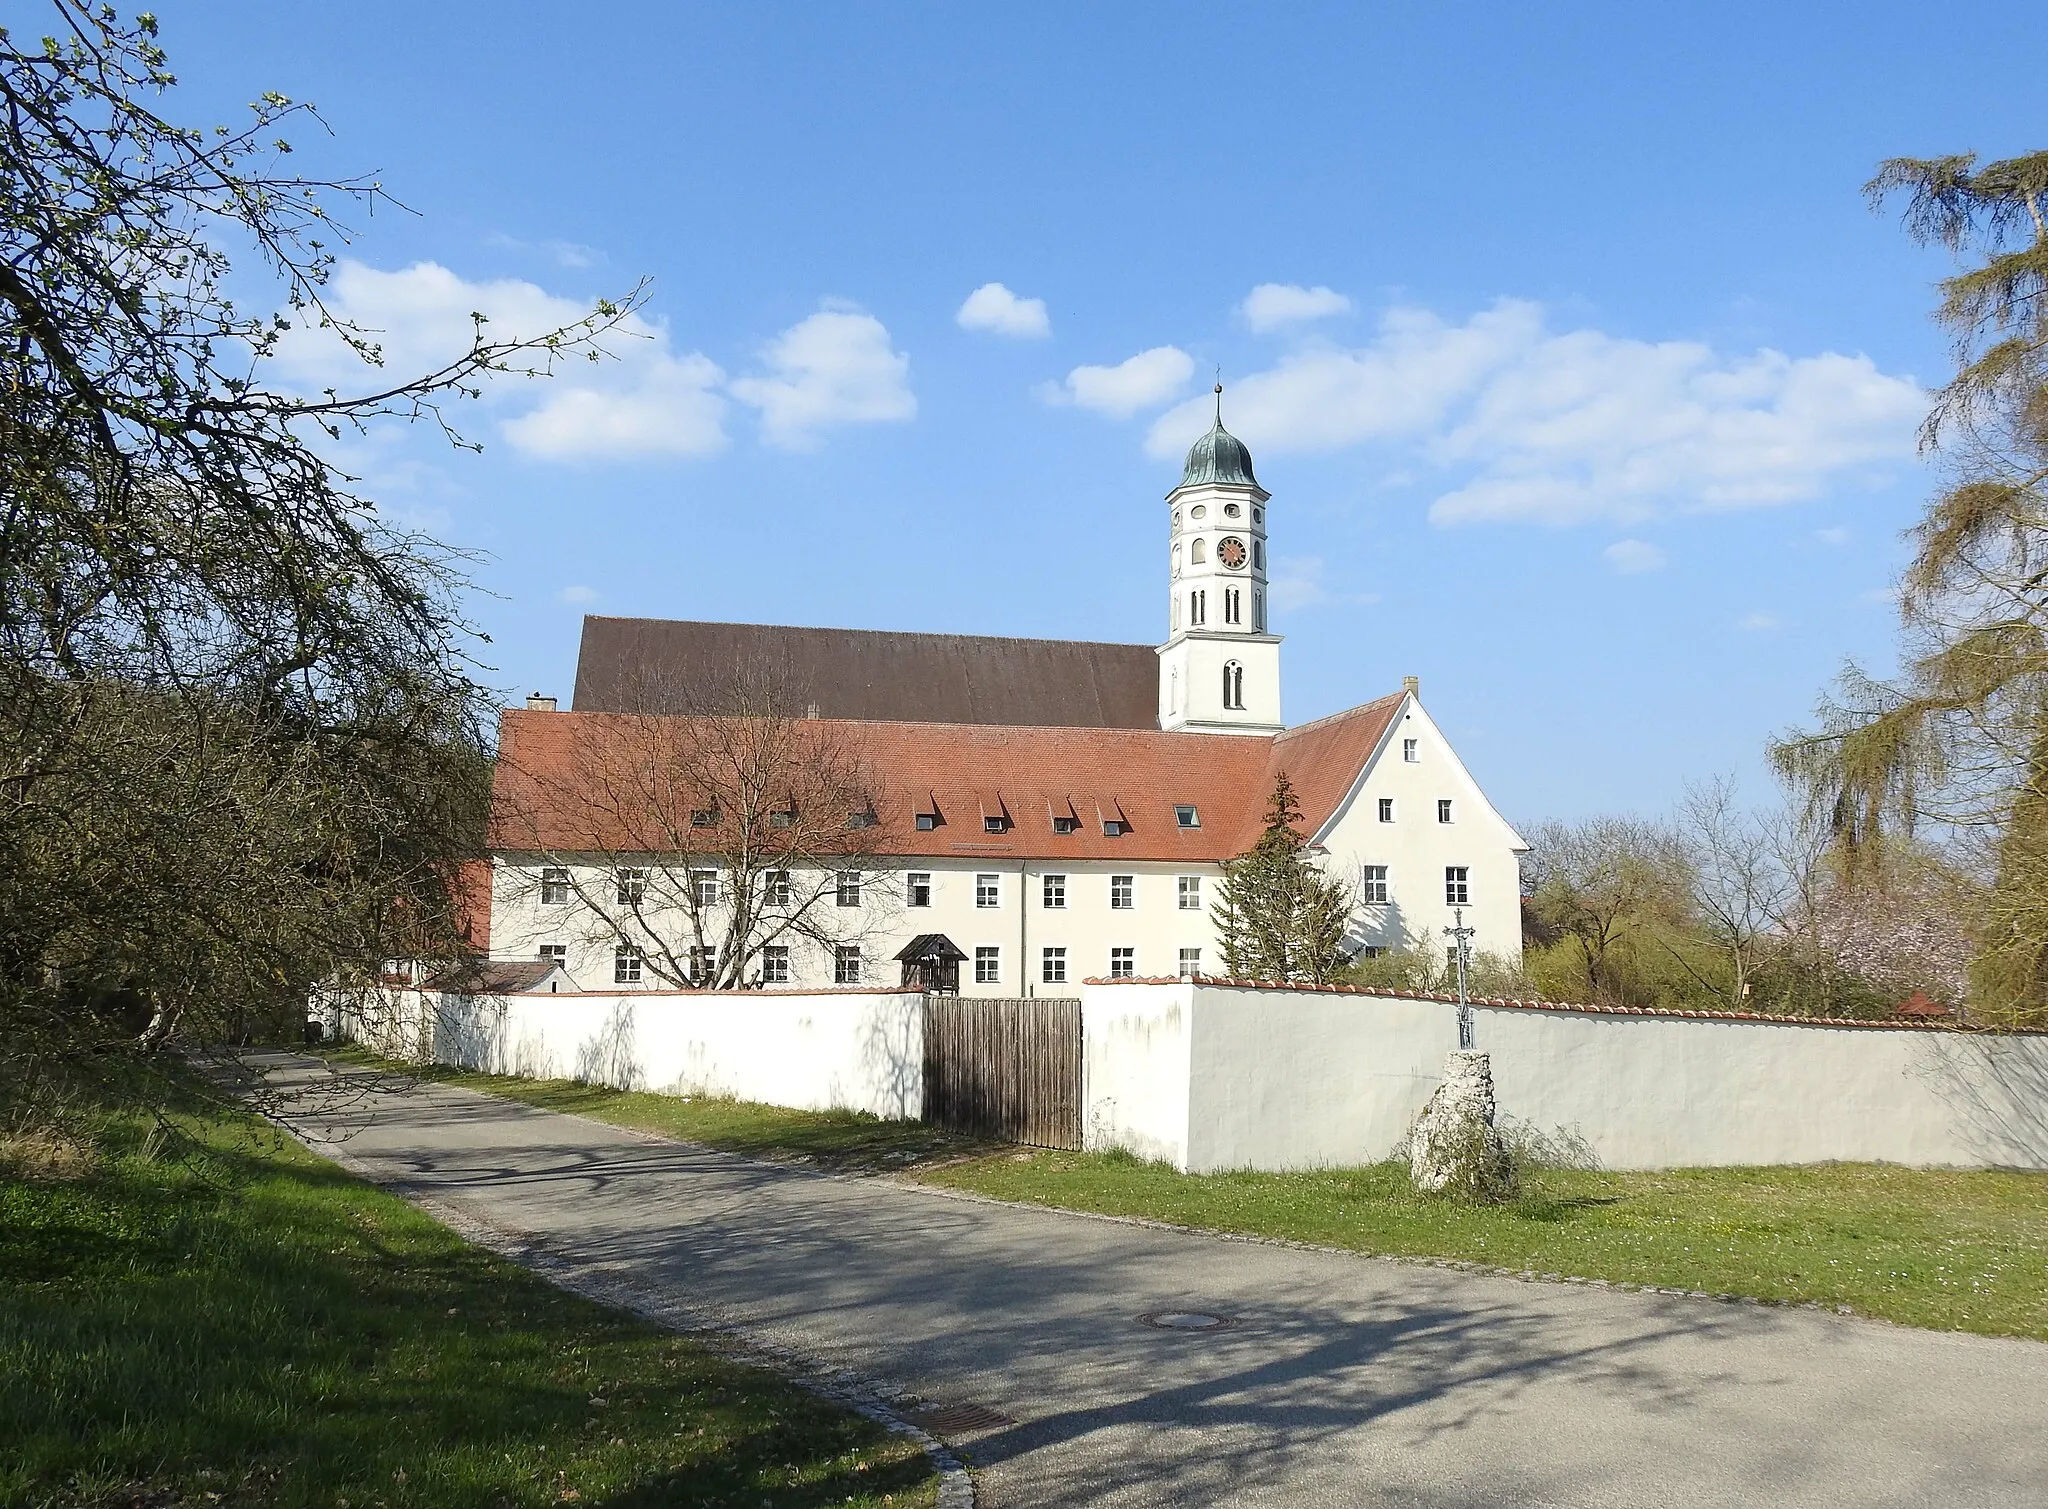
{"points": [[1949, 1250], [248, 1325]]}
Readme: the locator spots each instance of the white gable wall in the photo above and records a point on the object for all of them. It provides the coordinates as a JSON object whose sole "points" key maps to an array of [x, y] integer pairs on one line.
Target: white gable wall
{"points": [[1416, 848]]}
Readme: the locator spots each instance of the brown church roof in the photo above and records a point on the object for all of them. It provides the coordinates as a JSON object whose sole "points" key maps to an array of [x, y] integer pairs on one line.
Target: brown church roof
{"points": [[966, 773], [658, 665]]}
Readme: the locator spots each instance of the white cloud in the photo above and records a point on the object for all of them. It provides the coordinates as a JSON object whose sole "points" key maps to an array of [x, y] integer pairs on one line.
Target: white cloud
{"points": [[836, 367], [1526, 424], [1273, 305], [577, 594], [1757, 623], [993, 307], [641, 399], [1634, 557], [1149, 378]]}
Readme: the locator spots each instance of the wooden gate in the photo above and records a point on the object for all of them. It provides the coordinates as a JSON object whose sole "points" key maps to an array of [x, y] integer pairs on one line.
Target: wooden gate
{"points": [[1004, 1068]]}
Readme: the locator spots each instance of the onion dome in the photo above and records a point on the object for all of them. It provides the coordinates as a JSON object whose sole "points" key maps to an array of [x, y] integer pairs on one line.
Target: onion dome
{"points": [[1219, 457]]}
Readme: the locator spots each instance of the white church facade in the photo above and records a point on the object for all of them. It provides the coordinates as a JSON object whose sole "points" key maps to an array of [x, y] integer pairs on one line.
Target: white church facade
{"points": [[1045, 812]]}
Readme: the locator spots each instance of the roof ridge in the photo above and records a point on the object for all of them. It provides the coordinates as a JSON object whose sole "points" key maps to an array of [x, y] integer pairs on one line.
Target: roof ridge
{"points": [[1342, 714], [724, 623]]}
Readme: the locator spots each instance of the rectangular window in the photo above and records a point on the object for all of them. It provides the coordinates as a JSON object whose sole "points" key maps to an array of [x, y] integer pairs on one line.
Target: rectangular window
{"points": [[1123, 893], [1056, 893], [988, 966], [554, 887], [704, 887], [1456, 890], [927, 822], [786, 818], [1411, 751], [554, 953], [631, 886], [1187, 815], [849, 888], [703, 963], [988, 891], [1123, 963], [704, 817], [775, 888], [1066, 823], [1191, 961], [1114, 827], [1054, 968], [775, 964], [846, 964], [1372, 885], [1443, 809], [1191, 893], [865, 818], [1386, 809], [919, 890], [996, 823], [626, 963]]}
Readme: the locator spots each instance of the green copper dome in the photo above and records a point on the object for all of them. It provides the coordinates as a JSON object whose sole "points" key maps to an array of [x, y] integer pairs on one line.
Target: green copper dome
{"points": [[1219, 456]]}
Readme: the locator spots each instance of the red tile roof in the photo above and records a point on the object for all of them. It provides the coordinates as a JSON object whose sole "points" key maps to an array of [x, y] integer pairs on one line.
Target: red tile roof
{"points": [[968, 772]]}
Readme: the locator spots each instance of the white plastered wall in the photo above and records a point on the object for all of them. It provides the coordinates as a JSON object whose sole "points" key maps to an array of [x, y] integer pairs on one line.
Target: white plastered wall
{"points": [[861, 1051], [1280, 1079], [1135, 1070]]}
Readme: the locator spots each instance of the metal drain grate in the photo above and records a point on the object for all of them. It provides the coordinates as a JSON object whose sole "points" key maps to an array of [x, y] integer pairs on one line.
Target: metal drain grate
{"points": [[957, 1419], [1186, 1320]]}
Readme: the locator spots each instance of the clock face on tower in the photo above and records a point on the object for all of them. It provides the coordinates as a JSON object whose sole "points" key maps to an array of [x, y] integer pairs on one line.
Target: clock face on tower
{"points": [[1230, 551]]}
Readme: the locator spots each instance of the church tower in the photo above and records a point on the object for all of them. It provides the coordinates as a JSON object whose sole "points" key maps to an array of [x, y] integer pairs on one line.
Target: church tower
{"points": [[1219, 670]]}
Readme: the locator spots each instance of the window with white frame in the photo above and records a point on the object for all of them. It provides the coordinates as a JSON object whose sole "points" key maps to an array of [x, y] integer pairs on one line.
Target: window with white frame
{"points": [[704, 887], [1123, 893], [1123, 963], [1386, 809], [848, 891], [630, 886], [775, 888], [1411, 751], [1443, 809], [1191, 961], [626, 963], [1198, 608], [1457, 887], [1233, 685], [775, 964], [1186, 815], [554, 887], [988, 965], [554, 953], [1372, 885], [1198, 552], [988, 891], [918, 889], [1053, 970], [1233, 605], [1056, 893], [1189, 889], [846, 964], [703, 963]]}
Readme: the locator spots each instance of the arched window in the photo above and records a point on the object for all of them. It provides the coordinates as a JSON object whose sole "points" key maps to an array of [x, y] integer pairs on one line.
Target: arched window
{"points": [[1258, 610], [1233, 685], [1176, 612], [1176, 560], [1173, 692], [1197, 553]]}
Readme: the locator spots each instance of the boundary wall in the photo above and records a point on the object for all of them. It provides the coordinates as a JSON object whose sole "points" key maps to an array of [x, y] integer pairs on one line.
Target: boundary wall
{"points": [[1210, 1076], [834, 1050]]}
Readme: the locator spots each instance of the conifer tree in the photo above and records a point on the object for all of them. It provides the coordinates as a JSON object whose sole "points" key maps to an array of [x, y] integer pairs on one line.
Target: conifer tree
{"points": [[1277, 915]]}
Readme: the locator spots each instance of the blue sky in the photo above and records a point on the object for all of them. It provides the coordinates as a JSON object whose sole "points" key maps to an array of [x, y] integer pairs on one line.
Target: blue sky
{"points": [[1583, 380]]}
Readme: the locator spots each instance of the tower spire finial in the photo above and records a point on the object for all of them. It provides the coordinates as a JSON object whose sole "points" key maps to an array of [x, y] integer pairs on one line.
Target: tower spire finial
{"points": [[1219, 398]]}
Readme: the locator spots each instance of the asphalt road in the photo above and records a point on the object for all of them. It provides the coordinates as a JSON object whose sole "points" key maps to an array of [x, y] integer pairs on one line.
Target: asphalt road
{"points": [[1343, 1380]]}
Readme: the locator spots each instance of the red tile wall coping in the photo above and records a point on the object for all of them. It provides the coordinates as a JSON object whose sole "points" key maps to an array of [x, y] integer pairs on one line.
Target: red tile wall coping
{"points": [[738, 995], [1387, 993]]}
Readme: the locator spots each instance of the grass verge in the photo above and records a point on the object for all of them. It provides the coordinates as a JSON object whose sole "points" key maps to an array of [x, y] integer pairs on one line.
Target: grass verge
{"points": [[1947, 1250], [248, 1325]]}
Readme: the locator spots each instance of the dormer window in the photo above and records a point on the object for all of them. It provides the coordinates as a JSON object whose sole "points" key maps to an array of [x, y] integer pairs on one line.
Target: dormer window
{"points": [[1187, 815], [1114, 827], [927, 821], [786, 818], [1066, 822], [704, 817], [860, 819], [998, 822]]}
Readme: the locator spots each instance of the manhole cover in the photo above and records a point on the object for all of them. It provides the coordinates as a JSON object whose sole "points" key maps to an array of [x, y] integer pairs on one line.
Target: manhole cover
{"points": [[957, 1419], [1187, 1320]]}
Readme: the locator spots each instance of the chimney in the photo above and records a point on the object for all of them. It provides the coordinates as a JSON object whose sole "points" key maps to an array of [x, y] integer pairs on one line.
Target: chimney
{"points": [[536, 703], [1412, 685]]}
